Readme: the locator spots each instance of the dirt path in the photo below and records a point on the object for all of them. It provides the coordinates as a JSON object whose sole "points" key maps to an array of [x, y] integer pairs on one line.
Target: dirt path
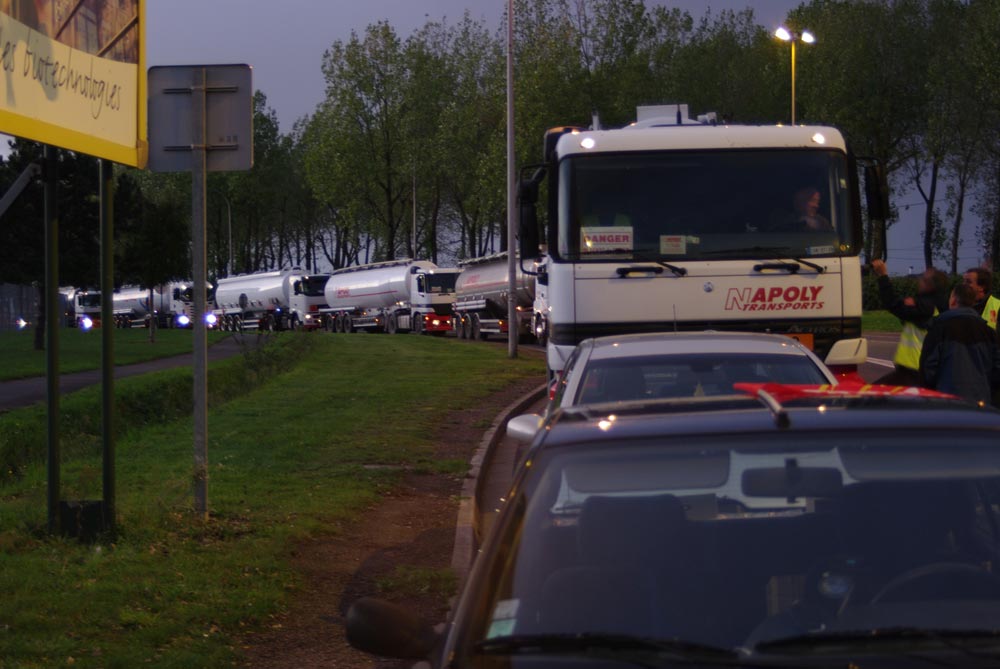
{"points": [[413, 527]]}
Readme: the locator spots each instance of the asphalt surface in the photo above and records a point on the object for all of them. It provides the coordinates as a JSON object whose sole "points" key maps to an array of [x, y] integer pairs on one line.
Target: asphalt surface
{"points": [[26, 392]]}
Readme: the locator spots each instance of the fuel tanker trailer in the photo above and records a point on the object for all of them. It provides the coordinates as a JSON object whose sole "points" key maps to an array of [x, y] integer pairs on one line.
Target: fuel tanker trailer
{"points": [[394, 296], [277, 300], [130, 306], [481, 299]]}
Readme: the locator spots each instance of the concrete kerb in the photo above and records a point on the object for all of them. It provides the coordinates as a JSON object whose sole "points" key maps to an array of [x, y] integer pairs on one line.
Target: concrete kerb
{"points": [[466, 528]]}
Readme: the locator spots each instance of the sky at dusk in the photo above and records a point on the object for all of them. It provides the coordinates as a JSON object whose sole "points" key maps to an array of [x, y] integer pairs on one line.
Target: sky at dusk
{"points": [[284, 41]]}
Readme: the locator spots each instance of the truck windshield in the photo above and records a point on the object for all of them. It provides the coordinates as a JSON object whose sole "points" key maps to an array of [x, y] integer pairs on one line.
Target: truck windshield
{"points": [[89, 300], [690, 205], [441, 283], [313, 286]]}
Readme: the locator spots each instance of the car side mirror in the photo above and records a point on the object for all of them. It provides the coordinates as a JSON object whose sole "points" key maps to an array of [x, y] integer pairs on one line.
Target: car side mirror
{"points": [[523, 428], [388, 630], [846, 352]]}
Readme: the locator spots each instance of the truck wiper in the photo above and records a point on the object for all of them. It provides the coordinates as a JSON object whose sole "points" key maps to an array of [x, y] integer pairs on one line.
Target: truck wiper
{"points": [[641, 651], [628, 256], [894, 639], [777, 252]]}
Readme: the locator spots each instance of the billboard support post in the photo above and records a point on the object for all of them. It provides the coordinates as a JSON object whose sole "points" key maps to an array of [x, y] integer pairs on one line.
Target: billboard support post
{"points": [[107, 196], [199, 257], [52, 333]]}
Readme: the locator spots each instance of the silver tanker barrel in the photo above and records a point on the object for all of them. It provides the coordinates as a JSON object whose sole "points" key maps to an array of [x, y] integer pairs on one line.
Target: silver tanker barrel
{"points": [[481, 298], [130, 306], [377, 296]]}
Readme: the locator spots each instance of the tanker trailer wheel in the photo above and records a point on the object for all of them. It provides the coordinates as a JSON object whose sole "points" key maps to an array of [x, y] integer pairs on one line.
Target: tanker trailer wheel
{"points": [[476, 328], [466, 327], [456, 326]]}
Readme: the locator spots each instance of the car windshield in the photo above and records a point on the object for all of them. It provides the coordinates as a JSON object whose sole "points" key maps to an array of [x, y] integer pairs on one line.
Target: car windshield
{"points": [[689, 375], [691, 205], [739, 545]]}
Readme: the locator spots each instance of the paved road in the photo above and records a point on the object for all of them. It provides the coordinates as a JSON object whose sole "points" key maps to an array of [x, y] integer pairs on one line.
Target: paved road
{"points": [[25, 392]]}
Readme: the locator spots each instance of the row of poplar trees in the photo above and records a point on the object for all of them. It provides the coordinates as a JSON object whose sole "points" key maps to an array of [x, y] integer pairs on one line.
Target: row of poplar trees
{"points": [[406, 154]]}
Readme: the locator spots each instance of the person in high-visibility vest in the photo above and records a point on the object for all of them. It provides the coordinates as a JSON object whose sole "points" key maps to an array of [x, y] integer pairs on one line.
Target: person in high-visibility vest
{"points": [[981, 281], [916, 314]]}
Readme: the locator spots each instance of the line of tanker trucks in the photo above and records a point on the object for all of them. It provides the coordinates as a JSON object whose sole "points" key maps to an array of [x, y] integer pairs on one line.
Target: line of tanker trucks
{"points": [[393, 297]]}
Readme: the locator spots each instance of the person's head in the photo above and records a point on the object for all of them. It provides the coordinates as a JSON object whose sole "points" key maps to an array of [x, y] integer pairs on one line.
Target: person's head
{"points": [[980, 280], [807, 201], [932, 281], [962, 295]]}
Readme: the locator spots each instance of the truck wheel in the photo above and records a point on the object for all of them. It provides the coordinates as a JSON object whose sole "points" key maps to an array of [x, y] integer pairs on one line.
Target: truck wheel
{"points": [[391, 324], [465, 327], [476, 328], [293, 322], [418, 324]]}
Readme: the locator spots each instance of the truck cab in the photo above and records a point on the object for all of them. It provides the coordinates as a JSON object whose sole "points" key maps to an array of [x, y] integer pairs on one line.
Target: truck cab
{"points": [[672, 224]]}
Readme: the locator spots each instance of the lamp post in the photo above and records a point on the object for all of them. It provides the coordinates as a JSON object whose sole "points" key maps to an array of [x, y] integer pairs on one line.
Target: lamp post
{"points": [[786, 35]]}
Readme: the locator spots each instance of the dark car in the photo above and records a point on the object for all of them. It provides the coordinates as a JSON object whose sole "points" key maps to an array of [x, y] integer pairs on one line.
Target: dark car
{"points": [[778, 529]]}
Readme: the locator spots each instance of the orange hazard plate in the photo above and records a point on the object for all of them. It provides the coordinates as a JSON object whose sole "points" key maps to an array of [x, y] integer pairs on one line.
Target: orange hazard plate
{"points": [[805, 338]]}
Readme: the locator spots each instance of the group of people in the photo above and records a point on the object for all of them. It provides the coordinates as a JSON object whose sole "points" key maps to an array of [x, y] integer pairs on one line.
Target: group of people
{"points": [[949, 340]]}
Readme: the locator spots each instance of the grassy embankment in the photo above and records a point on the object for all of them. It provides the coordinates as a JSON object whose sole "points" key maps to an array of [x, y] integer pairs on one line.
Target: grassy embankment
{"points": [[80, 350], [879, 321], [291, 431]]}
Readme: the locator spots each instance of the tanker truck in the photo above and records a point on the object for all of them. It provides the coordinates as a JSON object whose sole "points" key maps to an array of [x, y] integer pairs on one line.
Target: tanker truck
{"points": [[84, 310], [172, 306], [277, 300], [481, 299], [394, 296], [130, 306]]}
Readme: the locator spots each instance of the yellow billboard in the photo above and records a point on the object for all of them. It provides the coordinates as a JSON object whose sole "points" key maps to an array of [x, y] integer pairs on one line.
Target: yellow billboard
{"points": [[71, 75]]}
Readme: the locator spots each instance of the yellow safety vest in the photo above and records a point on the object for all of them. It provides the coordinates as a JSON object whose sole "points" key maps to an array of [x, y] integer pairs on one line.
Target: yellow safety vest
{"points": [[990, 311], [911, 340]]}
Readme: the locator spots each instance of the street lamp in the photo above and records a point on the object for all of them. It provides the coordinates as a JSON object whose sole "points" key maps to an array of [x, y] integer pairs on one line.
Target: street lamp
{"points": [[786, 35]]}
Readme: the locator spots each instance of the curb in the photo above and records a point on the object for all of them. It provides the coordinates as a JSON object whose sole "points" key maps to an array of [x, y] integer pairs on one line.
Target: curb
{"points": [[467, 526]]}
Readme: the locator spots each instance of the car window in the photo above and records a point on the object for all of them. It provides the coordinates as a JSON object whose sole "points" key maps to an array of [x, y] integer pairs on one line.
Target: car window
{"points": [[700, 375], [739, 547]]}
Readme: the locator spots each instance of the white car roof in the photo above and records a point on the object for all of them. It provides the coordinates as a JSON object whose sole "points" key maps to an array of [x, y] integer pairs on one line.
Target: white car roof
{"points": [[666, 343]]}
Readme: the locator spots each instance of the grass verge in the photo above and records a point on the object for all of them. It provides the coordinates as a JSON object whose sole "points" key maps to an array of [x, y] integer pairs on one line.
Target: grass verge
{"points": [[879, 321], [80, 350], [174, 590]]}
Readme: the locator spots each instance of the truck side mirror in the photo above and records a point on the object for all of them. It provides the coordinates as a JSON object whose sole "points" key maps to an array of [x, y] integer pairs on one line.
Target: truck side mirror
{"points": [[528, 224], [875, 197]]}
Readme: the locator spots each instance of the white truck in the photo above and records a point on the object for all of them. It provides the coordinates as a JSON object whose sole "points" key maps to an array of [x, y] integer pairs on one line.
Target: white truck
{"points": [[172, 306], [394, 296], [482, 294], [84, 308], [276, 300], [679, 224]]}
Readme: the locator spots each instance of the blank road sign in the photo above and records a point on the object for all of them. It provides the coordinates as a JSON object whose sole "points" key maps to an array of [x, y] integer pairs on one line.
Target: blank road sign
{"points": [[228, 117]]}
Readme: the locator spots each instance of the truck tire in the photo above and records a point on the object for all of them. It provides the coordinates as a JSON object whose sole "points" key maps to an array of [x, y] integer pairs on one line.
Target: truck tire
{"points": [[475, 331], [293, 322], [418, 324], [391, 324]]}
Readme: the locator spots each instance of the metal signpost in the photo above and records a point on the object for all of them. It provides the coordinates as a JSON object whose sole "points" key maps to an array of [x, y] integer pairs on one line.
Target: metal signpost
{"points": [[200, 120]]}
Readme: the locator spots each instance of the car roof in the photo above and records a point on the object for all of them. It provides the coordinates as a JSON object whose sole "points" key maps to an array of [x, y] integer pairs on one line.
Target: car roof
{"points": [[688, 343], [740, 415]]}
